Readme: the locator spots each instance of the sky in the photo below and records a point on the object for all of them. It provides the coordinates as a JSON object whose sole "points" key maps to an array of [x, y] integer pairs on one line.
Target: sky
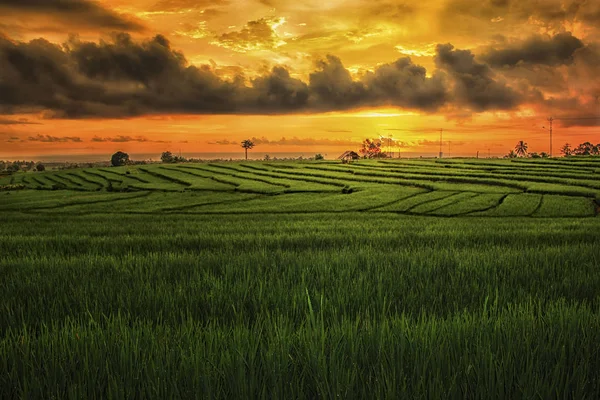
{"points": [[84, 77]]}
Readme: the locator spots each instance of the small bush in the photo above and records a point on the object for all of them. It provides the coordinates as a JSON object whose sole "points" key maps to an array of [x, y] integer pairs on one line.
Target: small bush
{"points": [[19, 186]]}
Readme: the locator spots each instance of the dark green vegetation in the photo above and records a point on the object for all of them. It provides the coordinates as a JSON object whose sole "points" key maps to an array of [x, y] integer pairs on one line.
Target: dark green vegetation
{"points": [[302, 280]]}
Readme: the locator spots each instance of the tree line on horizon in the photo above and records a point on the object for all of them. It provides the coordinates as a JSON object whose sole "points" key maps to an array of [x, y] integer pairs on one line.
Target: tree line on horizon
{"points": [[584, 149], [370, 148]]}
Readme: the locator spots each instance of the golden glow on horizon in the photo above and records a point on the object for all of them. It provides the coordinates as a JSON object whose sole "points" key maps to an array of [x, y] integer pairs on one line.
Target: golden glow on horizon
{"points": [[250, 37]]}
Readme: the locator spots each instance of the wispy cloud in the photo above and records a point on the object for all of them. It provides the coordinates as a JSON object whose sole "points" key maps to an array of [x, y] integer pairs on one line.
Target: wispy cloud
{"points": [[295, 141], [20, 121], [54, 139], [125, 139]]}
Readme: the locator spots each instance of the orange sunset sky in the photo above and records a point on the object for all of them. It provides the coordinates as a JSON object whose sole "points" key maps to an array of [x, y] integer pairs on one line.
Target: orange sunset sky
{"points": [[306, 76]]}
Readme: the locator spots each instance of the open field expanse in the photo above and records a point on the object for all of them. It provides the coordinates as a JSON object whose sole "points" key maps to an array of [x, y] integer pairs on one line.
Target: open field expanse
{"points": [[545, 188], [396, 279]]}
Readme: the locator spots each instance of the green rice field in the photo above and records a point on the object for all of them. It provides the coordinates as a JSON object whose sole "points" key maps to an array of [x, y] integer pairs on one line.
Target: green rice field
{"points": [[416, 279]]}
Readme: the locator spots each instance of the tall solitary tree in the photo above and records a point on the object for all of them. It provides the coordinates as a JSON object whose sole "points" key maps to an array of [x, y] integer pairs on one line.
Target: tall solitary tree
{"points": [[247, 144], [521, 148]]}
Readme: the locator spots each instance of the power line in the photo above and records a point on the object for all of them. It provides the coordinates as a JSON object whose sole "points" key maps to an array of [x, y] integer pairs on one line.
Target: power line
{"points": [[576, 118]]}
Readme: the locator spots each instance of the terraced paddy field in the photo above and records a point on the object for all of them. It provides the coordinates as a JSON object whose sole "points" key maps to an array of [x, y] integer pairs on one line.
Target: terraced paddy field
{"points": [[392, 279]]}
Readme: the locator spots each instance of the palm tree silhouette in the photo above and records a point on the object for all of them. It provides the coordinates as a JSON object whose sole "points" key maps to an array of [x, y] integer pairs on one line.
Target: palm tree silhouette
{"points": [[521, 149], [247, 144]]}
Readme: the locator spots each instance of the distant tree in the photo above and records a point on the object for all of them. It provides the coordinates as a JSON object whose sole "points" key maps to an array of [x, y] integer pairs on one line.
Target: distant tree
{"points": [[543, 154], [167, 157], [534, 155], [267, 157], [566, 150], [511, 154], [319, 157], [521, 149], [584, 149], [40, 167], [371, 148], [119, 158], [247, 145], [14, 167]]}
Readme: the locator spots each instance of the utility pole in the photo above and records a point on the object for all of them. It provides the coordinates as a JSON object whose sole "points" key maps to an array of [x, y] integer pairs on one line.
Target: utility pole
{"points": [[550, 120], [441, 132]]}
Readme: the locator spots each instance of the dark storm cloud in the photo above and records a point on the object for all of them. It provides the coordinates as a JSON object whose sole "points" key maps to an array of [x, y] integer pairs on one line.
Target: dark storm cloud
{"points": [[79, 12], [474, 83], [118, 78], [406, 85], [278, 90], [555, 50], [333, 85], [54, 139], [122, 77], [401, 83]]}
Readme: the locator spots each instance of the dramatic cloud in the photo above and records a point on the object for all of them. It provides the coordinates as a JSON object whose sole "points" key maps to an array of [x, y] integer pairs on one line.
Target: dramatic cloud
{"points": [[555, 50], [72, 12], [122, 78], [401, 84], [54, 139], [334, 86], [474, 83], [118, 78], [406, 85], [280, 91]]}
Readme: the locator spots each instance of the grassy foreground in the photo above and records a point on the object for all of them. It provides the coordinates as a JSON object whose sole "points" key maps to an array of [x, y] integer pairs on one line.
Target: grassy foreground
{"points": [[325, 305]]}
